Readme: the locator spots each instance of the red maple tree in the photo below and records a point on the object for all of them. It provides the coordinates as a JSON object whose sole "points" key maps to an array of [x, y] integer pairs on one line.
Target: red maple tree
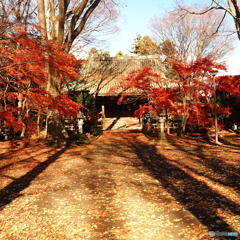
{"points": [[187, 95], [24, 77]]}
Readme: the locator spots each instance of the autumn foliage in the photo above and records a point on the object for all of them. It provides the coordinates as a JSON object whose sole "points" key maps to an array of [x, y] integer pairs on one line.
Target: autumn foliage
{"points": [[24, 64], [187, 94]]}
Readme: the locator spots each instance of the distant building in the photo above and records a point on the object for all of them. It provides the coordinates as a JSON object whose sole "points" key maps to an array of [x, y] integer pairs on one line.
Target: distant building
{"points": [[101, 77]]}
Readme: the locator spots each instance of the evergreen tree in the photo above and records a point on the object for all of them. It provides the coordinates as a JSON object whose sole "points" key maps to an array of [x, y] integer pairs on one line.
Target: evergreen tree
{"points": [[145, 46]]}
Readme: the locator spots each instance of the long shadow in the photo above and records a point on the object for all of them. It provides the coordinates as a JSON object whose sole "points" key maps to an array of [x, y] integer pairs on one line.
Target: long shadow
{"points": [[26, 160], [194, 195], [12, 191], [113, 123], [13, 148], [222, 169], [231, 144]]}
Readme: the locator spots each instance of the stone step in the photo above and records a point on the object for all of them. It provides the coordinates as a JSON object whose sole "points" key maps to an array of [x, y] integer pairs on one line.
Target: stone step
{"points": [[121, 123]]}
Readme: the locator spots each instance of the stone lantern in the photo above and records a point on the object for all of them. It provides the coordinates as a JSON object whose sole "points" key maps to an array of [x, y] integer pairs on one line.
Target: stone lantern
{"points": [[162, 120], [80, 122]]}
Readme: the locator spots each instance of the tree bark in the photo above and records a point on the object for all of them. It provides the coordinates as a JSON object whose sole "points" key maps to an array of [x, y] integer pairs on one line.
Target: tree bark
{"points": [[53, 24], [42, 17], [54, 124], [75, 30]]}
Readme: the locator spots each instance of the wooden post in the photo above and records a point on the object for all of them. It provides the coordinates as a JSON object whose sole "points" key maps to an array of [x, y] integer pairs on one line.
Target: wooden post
{"points": [[214, 73], [141, 118], [103, 116]]}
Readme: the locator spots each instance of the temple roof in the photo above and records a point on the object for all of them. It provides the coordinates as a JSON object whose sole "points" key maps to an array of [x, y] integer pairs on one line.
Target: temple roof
{"points": [[101, 75]]}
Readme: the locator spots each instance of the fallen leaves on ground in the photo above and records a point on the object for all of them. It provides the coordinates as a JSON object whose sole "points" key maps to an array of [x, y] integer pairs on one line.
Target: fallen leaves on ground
{"points": [[121, 186]]}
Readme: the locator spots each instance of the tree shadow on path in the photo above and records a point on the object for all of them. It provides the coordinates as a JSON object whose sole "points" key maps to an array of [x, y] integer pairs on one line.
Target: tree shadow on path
{"points": [[12, 191], [194, 195], [218, 166]]}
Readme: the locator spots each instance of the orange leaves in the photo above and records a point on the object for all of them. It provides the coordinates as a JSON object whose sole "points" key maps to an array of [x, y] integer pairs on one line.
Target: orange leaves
{"points": [[40, 99], [12, 96], [24, 69], [26, 58], [141, 78], [65, 106], [11, 120], [200, 67], [188, 94], [229, 84], [65, 64], [142, 110]]}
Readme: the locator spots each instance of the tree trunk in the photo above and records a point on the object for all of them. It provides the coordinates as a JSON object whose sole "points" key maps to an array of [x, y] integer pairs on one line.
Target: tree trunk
{"points": [[183, 127], [42, 17], [53, 122], [54, 126], [167, 126]]}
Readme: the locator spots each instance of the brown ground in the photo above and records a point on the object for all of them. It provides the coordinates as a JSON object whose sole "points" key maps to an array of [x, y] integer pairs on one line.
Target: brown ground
{"points": [[122, 186]]}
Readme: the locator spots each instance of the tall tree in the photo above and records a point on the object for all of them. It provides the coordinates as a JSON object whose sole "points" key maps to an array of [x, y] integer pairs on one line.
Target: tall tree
{"points": [[120, 54], [64, 21], [94, 53], [167, 48], [192, 36], [101, 21]]}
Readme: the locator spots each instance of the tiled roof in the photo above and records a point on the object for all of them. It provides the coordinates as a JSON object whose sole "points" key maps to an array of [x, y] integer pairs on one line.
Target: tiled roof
{"points": [[103, 75]]}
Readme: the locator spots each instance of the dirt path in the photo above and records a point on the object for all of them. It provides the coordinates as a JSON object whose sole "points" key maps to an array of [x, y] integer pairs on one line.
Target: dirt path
{"points": [[119, 187]]}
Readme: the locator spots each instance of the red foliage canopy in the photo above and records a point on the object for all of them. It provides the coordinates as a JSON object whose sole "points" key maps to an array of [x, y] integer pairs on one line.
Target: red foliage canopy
{"points": [[188, 94], [24, 64]]}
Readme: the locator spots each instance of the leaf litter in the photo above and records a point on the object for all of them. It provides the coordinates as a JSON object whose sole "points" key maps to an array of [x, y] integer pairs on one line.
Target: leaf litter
{"points": [[121, 186]]}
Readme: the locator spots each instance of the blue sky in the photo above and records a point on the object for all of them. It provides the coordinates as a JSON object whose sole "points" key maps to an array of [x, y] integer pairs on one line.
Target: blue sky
{"points": [[134, 20], [135, 17]]}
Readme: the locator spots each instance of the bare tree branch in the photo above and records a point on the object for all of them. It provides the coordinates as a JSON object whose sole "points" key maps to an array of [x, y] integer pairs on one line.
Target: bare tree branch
{"points": [[232, 7], [193, 36], [220, 23], [201, 12]]}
